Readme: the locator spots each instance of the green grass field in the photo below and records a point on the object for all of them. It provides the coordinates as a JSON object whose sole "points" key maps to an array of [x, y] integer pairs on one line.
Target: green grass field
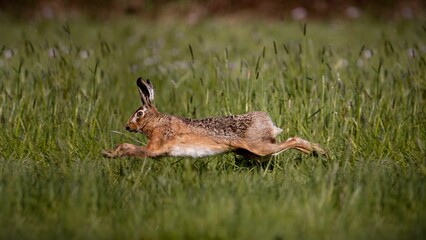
{"points": [[357, 88]]}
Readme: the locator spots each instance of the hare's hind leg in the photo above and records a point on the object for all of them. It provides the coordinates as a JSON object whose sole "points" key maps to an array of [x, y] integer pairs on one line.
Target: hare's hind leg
{"points": [[265, 149], [301, 145]]}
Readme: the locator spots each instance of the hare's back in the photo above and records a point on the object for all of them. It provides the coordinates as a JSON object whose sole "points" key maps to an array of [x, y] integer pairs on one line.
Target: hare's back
{"points": [[252, 124]]}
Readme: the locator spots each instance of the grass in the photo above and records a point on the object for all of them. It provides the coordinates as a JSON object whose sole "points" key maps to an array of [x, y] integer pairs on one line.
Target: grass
{"points": [[357, 88]]}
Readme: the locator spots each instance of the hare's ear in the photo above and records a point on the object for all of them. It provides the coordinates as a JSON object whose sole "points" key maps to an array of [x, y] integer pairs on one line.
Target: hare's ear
{"points": [[146, 91], [150, 90]]}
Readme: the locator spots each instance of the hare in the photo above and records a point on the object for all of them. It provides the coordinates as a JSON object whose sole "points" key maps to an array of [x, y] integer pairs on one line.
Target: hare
{"points": [[251, 135]]}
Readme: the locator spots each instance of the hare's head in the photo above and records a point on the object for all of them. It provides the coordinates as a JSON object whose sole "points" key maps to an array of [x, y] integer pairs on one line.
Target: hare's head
{"points": [[141, 117]]}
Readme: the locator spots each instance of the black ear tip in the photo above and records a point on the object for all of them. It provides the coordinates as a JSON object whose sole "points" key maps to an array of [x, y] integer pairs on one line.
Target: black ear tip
{"points": [[139, 81]]}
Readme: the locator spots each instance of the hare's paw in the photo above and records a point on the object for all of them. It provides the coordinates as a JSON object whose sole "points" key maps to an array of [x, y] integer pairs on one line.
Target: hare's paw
{"points": [[118, 151], [125, 150], [109, 153], [318, 150]]}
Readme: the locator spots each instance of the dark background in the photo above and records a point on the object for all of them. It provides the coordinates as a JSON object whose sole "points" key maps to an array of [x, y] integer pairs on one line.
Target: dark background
{"points": [[274, 9]]}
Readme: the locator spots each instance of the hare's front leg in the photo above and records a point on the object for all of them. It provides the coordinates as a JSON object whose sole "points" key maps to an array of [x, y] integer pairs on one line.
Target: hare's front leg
{"points": [[126, 150]]}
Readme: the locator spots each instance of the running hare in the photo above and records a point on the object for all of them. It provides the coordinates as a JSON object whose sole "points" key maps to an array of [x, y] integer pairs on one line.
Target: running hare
{"points": [[251, 135]]}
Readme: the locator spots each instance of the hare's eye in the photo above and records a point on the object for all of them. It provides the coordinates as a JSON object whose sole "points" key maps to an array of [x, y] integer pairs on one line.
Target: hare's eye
{"points": [[139, 114]]}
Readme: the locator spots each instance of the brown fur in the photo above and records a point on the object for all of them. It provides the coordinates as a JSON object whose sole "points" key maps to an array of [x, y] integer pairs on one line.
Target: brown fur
{"points": [[252, 134]]}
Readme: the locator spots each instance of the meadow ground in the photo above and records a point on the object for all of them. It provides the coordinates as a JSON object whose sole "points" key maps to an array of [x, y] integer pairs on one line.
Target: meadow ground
{"points": [[357, 88]]}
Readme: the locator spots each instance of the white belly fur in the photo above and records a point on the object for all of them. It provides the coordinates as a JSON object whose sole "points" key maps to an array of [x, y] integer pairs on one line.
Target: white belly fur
{"points": [[194, 151]]}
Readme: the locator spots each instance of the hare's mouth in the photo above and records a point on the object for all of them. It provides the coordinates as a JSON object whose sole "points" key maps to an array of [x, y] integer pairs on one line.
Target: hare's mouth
{"points": [[130, 129]]}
